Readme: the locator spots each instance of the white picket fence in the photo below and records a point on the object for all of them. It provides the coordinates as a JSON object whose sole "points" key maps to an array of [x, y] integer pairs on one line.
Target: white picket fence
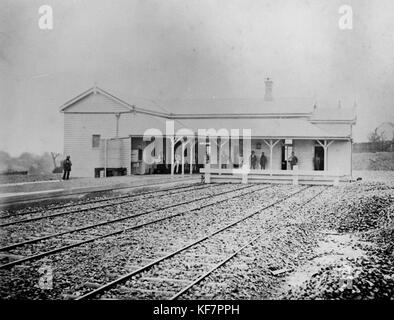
{"points": [[295, 177]]}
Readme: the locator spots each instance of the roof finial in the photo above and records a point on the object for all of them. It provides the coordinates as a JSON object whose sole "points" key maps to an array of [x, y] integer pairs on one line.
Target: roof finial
{"points": [[315, 106], [95, 87], [355, 104], [339, 104]]}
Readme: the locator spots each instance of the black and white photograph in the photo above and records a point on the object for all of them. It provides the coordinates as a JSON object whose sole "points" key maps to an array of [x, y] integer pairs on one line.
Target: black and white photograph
{"points": [[196, 150]]}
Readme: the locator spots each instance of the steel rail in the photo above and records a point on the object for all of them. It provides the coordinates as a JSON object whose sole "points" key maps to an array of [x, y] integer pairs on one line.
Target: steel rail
{"points": [[214, 268], [77, 211], [94, 225], [230, 257], [157, 261], [44, 198], [95, 201], [63, 248]]}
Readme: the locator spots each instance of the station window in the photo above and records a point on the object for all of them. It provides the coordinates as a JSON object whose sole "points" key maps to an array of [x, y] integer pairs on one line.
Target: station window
{"points": [[96, 141]]}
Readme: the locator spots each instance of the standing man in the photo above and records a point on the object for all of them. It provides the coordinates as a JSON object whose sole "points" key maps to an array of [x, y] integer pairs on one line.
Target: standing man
{"points": [[293, 160], [263, 161], [253, 160], [67, 168]]}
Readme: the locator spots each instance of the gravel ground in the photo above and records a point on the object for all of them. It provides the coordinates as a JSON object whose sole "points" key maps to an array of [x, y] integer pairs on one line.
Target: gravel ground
{"points": [[103, 260], [53, 203], [198, 259], [27, 231], [292, 233], [95, 213], [364, 210], [89, 201]]}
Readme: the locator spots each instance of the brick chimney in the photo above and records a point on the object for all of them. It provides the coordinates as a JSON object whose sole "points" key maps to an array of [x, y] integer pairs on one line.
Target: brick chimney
{"points": [[268, 90]]}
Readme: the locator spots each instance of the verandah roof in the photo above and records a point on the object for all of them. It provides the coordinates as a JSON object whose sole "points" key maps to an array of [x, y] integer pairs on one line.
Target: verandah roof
{"points": [[264, 128]]}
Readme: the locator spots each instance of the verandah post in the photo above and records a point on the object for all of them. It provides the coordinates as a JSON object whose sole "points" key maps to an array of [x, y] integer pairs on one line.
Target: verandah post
{"points": [[207, 173], [172, 139], [183, 158], [219, 142], [325, 146], [271, 156], [191, 156], [105, 157], [271, 145]]}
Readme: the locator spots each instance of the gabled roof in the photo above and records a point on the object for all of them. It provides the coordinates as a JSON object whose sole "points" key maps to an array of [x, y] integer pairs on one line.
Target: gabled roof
{"points": [[96, 90], [220, 109]]}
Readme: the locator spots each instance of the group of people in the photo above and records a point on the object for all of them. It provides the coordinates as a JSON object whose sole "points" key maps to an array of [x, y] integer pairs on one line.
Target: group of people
{"points": [[293, 160], [253, 161]]}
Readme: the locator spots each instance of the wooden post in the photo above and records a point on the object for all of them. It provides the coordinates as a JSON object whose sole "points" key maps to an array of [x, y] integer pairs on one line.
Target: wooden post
{"points": [[131, 148], [271, 155], [207, 173], [191, 157], [351, 158], [220, 156], [295, 177], [271, 145], [172, 139], [325, 146], [325, 156], [105, 157], [117, 124], [244, 177], [183, 158]]}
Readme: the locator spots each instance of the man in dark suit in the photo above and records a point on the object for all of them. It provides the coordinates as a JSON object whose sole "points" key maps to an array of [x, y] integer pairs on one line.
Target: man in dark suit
{"points": [[293, 160], [263, 161], [66, 168], [253, 160]]}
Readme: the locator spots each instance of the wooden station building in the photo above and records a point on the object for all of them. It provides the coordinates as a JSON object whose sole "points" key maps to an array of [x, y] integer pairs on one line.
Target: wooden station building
{"points": [[104, 135]]}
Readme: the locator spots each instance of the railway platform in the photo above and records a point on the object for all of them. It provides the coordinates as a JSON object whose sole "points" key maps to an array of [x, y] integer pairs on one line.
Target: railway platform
{"points": [[32, 191]]}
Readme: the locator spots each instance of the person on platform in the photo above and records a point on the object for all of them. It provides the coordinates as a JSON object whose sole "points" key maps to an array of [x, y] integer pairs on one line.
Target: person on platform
{"points": [[177, 163], [263, 161], [253, 160], [293, 160], [66, 168]]}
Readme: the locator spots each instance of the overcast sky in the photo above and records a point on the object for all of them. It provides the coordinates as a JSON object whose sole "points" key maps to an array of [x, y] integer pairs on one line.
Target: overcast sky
{"points": [[190, 49]]}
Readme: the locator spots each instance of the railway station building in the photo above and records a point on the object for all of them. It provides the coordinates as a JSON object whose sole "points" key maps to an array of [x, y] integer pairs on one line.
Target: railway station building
{"points": [[107, 135]]}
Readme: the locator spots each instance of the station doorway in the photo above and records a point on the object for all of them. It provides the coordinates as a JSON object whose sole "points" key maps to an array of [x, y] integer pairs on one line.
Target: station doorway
{"points": [[287, 149], [318, 159]]}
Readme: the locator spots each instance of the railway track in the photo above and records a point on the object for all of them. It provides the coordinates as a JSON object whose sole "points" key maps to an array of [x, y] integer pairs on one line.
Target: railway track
{"points": [[177, 287], [86, 202], [120, 230], [205, 275], [52, 197], [120, 215], [110, 202]]}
